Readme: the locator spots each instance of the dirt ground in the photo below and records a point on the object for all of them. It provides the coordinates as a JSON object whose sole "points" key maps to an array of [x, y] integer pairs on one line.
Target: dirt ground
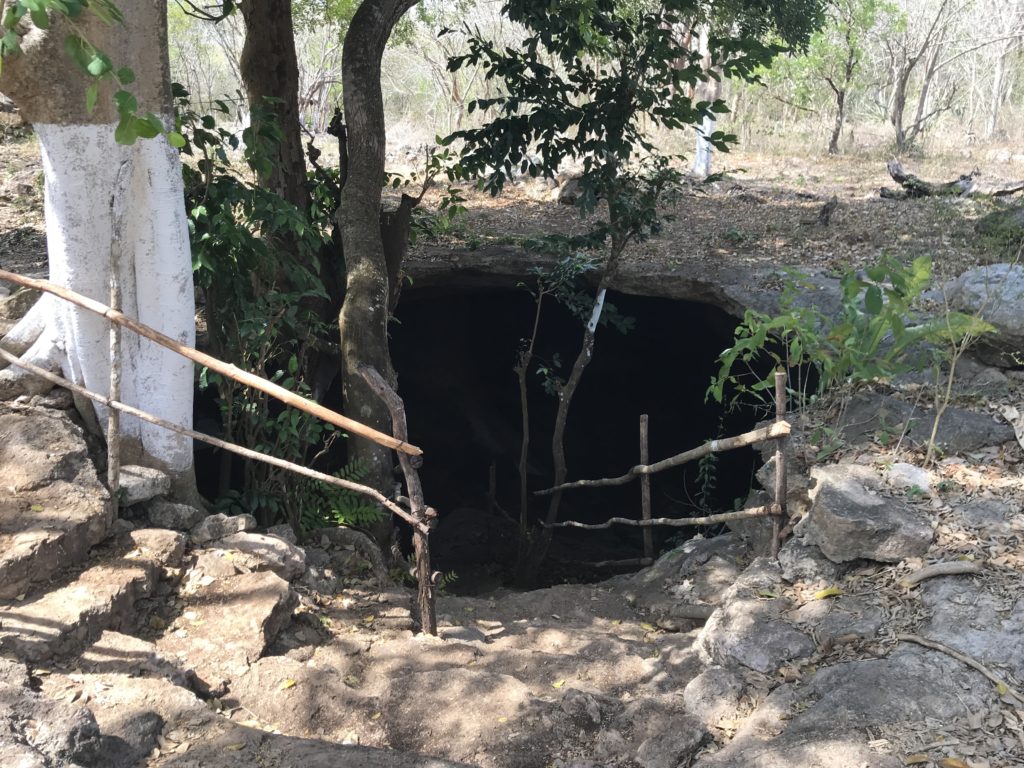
{"points": [[764, 210]]}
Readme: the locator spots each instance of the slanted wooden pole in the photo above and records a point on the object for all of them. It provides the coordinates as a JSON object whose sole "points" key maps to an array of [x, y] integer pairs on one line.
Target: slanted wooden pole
{"points": [[645, 488], [780, 463], [219, 366], [247, 453], [424, 514]]}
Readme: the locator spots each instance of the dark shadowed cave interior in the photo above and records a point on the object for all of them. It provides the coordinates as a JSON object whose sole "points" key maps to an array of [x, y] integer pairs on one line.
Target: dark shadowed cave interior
{"points": [[454, 351]]}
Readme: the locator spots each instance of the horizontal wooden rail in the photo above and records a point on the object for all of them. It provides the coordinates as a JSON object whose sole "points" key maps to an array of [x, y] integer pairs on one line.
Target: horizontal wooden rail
{"points": [[248, 453], [771, 432], [225, 369], [768, 510]]}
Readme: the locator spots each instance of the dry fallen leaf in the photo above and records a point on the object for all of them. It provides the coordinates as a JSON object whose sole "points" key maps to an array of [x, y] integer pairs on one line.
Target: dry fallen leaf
{"points": [[286, 684], [917, 759], [827, 592], [952, 762], [558, 684]]}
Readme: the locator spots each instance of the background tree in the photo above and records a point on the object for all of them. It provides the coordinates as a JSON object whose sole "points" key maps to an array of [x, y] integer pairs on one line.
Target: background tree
{"points": [[613, 66], [109, 207]]}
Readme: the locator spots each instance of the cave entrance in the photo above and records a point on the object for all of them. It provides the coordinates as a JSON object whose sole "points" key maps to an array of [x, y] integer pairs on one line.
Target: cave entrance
{"points": [[454, 352]]}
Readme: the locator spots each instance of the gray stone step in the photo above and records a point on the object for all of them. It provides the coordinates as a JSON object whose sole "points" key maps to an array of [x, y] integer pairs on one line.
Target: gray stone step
{"points": [[53, 508], [64, 620]]}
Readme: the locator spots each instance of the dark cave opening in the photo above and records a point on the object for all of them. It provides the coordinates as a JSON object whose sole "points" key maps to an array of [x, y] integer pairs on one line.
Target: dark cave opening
{"points": [[454, 352]]}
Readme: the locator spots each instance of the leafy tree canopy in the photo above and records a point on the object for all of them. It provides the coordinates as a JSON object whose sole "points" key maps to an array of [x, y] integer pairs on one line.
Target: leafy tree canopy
{"points": [[588, 71]]}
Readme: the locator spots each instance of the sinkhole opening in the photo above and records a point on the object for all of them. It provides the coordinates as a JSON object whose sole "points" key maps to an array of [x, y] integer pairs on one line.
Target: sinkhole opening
{"points": [[455, 351]]}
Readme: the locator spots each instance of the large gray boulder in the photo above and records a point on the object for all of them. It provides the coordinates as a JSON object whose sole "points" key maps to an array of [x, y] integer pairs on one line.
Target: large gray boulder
{"points": [[750, 628], [994, 292], [849, 520]]}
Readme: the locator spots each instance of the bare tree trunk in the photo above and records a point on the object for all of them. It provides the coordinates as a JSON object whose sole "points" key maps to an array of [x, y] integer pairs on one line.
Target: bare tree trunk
{"points": [[270, 74], [364, 314]]}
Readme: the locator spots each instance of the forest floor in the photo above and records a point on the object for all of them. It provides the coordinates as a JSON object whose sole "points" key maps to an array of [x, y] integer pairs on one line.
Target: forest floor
{"points": [[763, 211]]}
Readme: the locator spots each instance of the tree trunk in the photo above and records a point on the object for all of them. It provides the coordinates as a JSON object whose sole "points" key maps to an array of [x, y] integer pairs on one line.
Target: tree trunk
{"points": [[270, 73], [364, 314], [83, 166]]}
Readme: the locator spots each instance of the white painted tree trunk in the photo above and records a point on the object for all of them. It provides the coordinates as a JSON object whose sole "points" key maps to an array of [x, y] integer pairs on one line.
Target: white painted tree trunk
{"points": [[81, 164], [702, 156]]}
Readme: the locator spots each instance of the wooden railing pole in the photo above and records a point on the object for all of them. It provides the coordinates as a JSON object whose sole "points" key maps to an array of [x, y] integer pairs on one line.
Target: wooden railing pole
{"points": [[247, 453], [780, 463], [645, 487], [225, 369]]}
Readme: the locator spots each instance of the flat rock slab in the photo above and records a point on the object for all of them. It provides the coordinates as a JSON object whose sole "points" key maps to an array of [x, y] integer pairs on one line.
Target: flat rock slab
{"points": [[231, 746], [266, 553], [227, 625], [870, 415], [306, 699], [828, 720], [986, 626], [849, 520], [63, 621], [53, 508]]}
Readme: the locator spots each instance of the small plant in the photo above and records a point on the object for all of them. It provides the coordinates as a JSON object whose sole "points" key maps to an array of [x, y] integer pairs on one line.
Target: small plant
{"points": [[827, 441], [878, 333]]}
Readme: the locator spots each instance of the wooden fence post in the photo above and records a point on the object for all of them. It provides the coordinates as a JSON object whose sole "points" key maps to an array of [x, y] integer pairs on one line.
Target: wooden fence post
{"points": [[780, 463], [645, 488]]}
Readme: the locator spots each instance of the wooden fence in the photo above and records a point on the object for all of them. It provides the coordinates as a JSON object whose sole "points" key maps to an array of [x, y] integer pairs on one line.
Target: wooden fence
{"points": [[778, 431], [416, 512]]}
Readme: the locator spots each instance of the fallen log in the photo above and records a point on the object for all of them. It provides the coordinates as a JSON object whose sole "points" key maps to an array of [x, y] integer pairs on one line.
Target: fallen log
{"points": [[967, 185]]}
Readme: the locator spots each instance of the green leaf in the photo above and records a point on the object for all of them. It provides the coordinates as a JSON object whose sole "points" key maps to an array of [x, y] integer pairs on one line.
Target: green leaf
{"points": [[175, 139], [125, 132], [126, 103], [873, 300], [125, 76], [40, 19], [99, 64], [91, 94], [79, 51]]}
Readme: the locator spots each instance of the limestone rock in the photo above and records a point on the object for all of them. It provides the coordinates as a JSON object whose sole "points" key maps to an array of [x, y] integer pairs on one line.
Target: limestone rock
{"points": [[985, 626], [267, 553], [582, 708], [849, 520], [53, 508], [214, 564], [829, 719], [167, 514], [714, 694], [995, 292], [801, 561], [672, 748], [283, 531], [905, 476], [870, 415], [158, 545], [220, 525], [228, 625], [749, 628], [140, 484]]}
